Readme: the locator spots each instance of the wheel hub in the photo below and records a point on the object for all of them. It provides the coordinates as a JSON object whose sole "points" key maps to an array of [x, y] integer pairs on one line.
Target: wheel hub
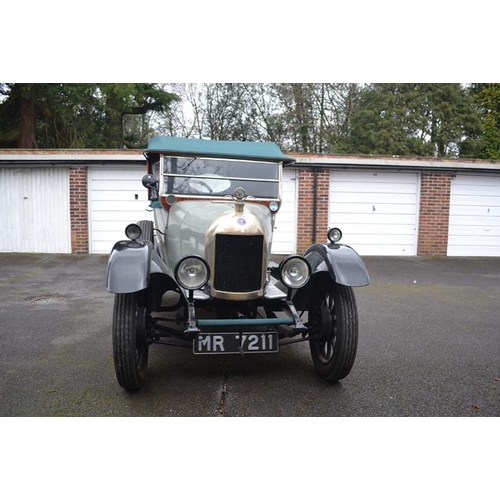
{"points": [[322, 324]]}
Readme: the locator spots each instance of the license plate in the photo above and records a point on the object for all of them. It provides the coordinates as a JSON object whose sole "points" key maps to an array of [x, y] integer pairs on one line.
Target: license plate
{"points": [[235, 343]]}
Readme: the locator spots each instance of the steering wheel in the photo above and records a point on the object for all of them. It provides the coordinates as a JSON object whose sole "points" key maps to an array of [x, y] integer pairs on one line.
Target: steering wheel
{"points": [[201, 183]]}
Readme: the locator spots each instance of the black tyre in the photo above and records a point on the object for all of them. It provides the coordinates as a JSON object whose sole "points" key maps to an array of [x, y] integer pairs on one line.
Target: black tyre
{"points": [[130, 348], [147, 230], [333, 317]]}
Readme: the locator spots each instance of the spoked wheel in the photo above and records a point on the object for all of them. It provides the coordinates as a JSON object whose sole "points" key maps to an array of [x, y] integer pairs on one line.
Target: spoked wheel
{"points": [[334, 319], [130, 347]]}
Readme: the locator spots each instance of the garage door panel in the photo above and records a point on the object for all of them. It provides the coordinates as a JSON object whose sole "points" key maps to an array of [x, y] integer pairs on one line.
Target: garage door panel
{"points": [[104, 246], [376, 176], [35, 208], [472, 221], [121, 185], [490, 240], [474, 228], [286, 228], [374, 198], [468, 190], [375, 188], [461, 250], [108, 226], [119, 195], [122, 216], [108, 235], [374, 239], [118, 173], [472, 232], [376, 211], [368, 208], [113, 204], [475, 210], [125, 205], [383, 249], [377, 219], [349, 229], [475, 200]]}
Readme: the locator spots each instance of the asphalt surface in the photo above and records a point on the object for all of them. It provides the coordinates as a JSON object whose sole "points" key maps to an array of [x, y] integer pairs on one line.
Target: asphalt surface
{"points": [[429, 346]]}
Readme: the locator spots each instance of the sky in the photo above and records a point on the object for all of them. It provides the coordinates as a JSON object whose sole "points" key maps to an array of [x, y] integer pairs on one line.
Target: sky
{"points": [[266, 41]]}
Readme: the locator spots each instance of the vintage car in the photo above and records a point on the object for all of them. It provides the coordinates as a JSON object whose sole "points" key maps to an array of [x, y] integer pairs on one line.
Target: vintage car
{"points": [[202, 275]]}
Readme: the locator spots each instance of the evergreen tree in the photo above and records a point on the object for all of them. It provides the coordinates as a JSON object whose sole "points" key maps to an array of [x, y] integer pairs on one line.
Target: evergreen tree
{"points": [[485, 143], [49, 115], [430, 119]]}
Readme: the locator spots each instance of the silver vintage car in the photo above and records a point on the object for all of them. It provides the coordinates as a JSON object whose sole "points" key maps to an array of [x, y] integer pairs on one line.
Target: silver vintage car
{"points": [[202, 275]]}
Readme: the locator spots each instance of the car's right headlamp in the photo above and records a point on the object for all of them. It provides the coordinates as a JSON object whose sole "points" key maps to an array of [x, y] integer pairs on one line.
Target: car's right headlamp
{"points": [[192, 272], [295, 271]]}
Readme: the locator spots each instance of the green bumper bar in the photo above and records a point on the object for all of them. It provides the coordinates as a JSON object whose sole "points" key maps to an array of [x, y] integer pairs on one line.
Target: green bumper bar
{"points": [[245, 322]]}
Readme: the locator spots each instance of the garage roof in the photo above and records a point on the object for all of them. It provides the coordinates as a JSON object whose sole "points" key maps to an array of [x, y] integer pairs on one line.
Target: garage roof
{"points": [[397, 163], [68, 157], [119, 157]]}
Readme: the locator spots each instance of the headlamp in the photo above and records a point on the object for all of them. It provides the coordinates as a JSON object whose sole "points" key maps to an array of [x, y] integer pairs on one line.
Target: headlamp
{"points": [[192, 272], [295, 271], [334, 235], [133, 232], [274, 206]]}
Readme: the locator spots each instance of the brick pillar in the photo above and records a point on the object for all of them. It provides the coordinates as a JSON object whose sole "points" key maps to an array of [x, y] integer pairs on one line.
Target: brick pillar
{"points": [[434, 214], [78, 203], [305, 236]]}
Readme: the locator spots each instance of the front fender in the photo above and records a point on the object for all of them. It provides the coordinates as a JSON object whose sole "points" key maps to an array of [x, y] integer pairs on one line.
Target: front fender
{"points": [[342, 263], [129, 266]]}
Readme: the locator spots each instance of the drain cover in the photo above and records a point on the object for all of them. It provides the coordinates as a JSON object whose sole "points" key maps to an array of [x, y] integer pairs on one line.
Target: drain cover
{"points": [[46, 300]]}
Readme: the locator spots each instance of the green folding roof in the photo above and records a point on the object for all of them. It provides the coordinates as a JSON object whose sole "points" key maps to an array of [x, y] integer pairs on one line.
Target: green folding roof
{"points": [[268, 151]]}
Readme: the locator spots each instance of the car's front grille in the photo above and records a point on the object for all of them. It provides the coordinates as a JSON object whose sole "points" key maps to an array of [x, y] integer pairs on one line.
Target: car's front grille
{"points": [[238, 263]]}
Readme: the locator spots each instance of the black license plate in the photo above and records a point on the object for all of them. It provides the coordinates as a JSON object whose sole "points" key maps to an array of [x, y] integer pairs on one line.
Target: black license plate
{"points": [[235, 343]]}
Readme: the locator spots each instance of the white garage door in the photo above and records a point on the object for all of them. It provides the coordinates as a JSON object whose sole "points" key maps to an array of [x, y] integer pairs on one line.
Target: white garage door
{"points": [[285, 227], [376, 211], [116, 199], [34, 203], [474, 228]]}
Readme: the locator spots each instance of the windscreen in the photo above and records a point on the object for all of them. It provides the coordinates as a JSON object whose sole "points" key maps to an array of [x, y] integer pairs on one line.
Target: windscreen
{"points": [[219, 177]]}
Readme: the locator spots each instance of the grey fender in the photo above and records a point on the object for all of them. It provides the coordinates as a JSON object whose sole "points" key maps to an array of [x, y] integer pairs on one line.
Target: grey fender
{"points": [[129, 266], [342, 263]]}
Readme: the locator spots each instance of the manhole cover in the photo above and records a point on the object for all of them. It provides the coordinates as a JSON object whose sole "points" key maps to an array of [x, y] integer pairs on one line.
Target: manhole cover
{"points": [[46, 300]]}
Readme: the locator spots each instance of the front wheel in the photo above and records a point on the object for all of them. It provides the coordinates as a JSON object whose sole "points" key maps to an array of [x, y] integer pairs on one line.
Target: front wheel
{"points": [[333, 317], [130, 348]]}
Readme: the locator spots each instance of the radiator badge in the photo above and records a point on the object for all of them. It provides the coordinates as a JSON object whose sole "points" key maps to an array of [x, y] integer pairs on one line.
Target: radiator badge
{"points": [[241, 221]]}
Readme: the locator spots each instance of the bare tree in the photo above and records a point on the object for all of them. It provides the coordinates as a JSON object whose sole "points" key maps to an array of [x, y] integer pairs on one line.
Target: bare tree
{"points": [[305, 117]]}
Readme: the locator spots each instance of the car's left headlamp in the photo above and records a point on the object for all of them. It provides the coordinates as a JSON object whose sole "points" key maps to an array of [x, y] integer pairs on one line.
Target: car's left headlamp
{"points": [[295, 271], [192, 272], [133, 231]]}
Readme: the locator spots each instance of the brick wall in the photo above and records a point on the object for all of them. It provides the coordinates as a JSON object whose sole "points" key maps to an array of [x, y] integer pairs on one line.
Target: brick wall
{"points": [[433, 219], [78, 204], [434, 214], [305, 236]]}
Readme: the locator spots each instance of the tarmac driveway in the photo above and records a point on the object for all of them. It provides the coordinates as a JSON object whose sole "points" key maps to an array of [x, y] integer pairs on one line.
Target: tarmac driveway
{"points": [[429, 346]]}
